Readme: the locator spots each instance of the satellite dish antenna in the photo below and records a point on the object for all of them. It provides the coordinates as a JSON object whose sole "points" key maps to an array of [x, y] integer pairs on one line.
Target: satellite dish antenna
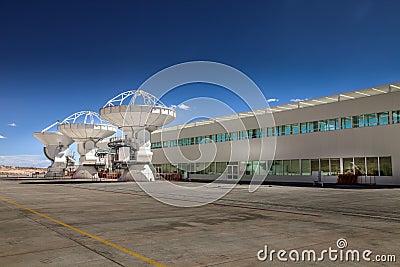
{"points": [[55, 149], [137, 118], [87, 129]]}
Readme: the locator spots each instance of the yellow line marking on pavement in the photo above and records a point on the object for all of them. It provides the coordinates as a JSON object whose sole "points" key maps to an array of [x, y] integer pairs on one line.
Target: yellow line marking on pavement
{"points": [[132, 253]]}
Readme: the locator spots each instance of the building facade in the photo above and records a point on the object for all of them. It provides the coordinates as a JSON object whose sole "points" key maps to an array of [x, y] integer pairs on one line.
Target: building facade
{"points": [[353, 132]]}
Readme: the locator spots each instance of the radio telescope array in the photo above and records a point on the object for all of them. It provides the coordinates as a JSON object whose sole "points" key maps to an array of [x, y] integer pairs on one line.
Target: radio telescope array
{"points": [[136, 113]]}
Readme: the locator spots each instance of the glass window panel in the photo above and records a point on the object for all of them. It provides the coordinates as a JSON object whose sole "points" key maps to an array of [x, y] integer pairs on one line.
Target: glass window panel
{"points": [[212, 138], [251, 134], [303, 127], [385, 164], [173, 168], [249, 168], [286, 167], [218, 137], [383, 118], [371, 119], [314, 165], [220, 167], [358, 121], [287, 129], [262, 167], [372, 166], [325, 167], [305, 167], [295, 167], [277, 131], [347, 123], [270, 131], [396, 116], [295, 128], [234, 136], [278, 167], [263, 133], [359, 165], [348, 165], [335, 166], [313, 126], [333, 124], [213, 168], [322, 125]]}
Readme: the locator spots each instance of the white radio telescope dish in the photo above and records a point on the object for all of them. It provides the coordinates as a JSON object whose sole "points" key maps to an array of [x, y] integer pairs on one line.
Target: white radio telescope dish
{"points": [[137, 113], [86, 128]]}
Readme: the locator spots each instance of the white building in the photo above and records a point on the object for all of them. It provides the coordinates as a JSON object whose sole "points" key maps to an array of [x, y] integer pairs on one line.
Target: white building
{"points": [[358, 130]]}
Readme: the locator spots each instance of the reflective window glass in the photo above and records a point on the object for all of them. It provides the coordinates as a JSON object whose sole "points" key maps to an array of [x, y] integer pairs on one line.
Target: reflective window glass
{"points": [[305, 167], [385, 164]]}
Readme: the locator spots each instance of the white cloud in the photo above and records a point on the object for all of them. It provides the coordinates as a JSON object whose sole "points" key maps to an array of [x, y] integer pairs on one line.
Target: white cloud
{"points": [[2, 136], [12, 124], [272, 100], [25, 161], [183, 106], [173, 106], [298, 99]]}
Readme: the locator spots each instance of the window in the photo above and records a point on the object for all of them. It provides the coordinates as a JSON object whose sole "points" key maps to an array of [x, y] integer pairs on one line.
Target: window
{"points": [[286, 167], [249, 168], [313, 126], [260, 133], [335, 166], [219, 137], [295, 167], [396, 116], [234, 136], [262, 167], [287, 129], [347, 123], [277, 167], [295, 128], [199, 140], [251, 134], [383, 118], [271, 131], [303, 127], [314, 165], [385, 164], [372, 166], [278, 131], [359, 165], [305, 167], [333, 124], [348, 165], [358, 121], [325, 167], [220, 167], [322, 125], [371, 119], [243, 135], [224, 137]]}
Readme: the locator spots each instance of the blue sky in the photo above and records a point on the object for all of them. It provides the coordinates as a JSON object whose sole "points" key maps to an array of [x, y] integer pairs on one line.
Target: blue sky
{"points": [[59, 57]]}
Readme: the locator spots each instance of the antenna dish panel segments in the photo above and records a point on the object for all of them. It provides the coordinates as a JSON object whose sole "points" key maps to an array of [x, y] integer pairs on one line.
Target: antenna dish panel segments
{"points": [[138, 116], [86, 125], [53, 138], [84, 132]]}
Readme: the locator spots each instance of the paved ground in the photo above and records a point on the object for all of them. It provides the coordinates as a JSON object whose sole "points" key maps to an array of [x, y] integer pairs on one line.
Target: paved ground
{"points": [[116, 224]]}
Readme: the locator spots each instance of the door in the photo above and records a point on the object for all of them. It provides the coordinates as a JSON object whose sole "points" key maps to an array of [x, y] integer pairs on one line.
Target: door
{"points": [[232, 172]]}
